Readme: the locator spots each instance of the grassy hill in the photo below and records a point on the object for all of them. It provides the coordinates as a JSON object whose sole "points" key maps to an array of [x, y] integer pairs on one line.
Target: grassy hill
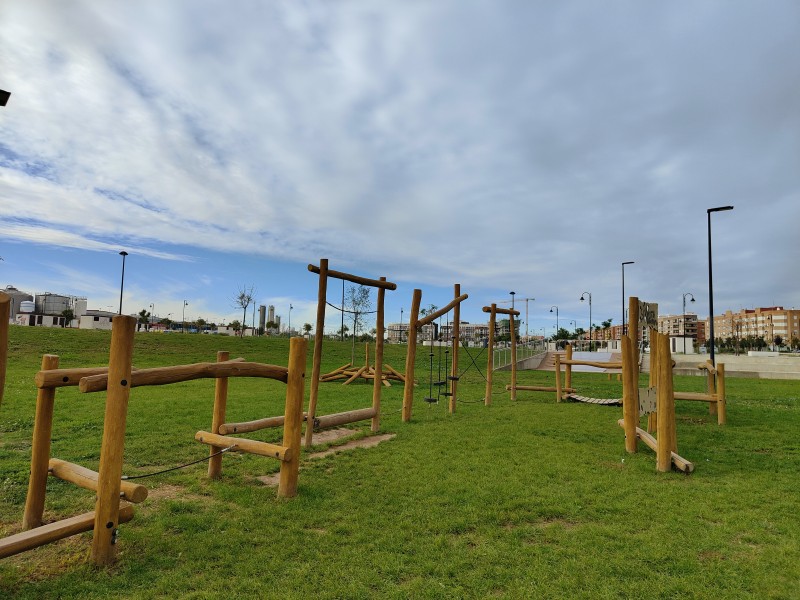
{"points": [[525, 499]]}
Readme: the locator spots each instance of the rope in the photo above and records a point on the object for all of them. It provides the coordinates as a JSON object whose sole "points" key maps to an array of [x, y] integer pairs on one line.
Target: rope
{"points": [[194, 462], [352, 312], [473, 359]]}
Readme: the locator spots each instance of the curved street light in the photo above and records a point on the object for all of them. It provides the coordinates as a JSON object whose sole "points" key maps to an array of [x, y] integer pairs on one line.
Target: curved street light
{"points": [[710, 280], [123, 254], [683, 319], [551, 310], [590, 316], [183, 321]]}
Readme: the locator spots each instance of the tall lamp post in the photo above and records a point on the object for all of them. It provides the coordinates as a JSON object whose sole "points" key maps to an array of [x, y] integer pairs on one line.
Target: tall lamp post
{"points": [[683, 319], [183, 321], [551, 310], [290, 319], [627, 262], [710, 281], [123, 254], [574, 326], [400, 333], [152, 314], [590, 316], [512, 299]]}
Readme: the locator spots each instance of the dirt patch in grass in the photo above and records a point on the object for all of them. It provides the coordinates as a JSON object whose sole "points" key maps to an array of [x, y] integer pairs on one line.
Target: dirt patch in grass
{"points": [[171, 492], [330, 435], [367, 442]]}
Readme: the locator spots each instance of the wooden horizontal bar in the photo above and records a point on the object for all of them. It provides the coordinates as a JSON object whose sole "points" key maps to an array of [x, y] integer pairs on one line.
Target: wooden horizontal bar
{"points": [[282, 453], [538, 388], [344, 417], [680, 463], [250, 426], [33, 538], [591, 363], [442, 311], [707, 367], [178, 373], [387, 285], [501, 311], [65, 377], [87, 479], [695, 396]]}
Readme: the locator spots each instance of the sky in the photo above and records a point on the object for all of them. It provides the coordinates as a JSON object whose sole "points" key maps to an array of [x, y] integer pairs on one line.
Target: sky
{"points": [[527, 146]]}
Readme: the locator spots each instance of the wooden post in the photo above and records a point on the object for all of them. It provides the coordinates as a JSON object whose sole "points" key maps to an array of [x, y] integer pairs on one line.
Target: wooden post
{"points": [[377, 383], [218, 417], [513, 357], [490, 361], [633, 333], [568, 369], [5, 304], [630, 403], [652, 418], [454, 342], [111, 453], [558, 377], [40, 450], [711, 387], [322, 295], [666, 407], [722, 407], [411, 356], [293, 422]]}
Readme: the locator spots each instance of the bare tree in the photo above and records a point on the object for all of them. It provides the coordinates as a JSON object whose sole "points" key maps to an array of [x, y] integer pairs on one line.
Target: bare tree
{"points": [[242, 300], [358, 303]]}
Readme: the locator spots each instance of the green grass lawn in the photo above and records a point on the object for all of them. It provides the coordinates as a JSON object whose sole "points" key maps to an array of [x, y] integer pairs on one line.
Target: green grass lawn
{"points": [[525, 499]]}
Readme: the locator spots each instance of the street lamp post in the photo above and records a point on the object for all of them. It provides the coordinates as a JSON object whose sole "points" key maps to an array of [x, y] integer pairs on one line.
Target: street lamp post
{"points": [[290, 319], [400, 333], [152, 314], [123, 254], [551, 310], [183, 321], [710, 281], [574, 326], [627, 262], [590, 316], [512, 299], [683, 319]]}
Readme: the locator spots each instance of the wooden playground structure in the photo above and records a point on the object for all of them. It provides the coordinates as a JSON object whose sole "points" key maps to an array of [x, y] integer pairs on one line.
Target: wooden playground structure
{"points": [[493, 312], [374, 412], [111, 490], [414, 325], [350, 373]]}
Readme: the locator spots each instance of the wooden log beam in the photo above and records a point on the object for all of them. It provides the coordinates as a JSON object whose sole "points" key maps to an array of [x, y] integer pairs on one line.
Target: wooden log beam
{"points": [[87, 479], [442, 311], [487, 398], [319, 334], [722, 407], [376, 283], [343, 418], [28, 540], [501, 311], [355, 375], [179, 373], [293, 411], [541, 388], [411, 357], [678, 461], [592, 363], [218, 418], [244, 445], [255, 425], [695, 396]]}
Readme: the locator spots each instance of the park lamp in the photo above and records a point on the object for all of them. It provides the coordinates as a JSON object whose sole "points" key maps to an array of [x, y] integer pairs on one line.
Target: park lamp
{"points": [[710, 282]]}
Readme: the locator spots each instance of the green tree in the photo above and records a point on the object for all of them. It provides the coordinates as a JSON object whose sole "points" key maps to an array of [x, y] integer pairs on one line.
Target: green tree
{"points": [[307, 328], [235, 325], [68, 315], [243, 299], [143, 319]]}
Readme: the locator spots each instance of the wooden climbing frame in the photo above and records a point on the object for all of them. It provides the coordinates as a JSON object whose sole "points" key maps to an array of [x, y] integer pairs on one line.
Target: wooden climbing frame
{"points": [[373, 413], [493, 312]]}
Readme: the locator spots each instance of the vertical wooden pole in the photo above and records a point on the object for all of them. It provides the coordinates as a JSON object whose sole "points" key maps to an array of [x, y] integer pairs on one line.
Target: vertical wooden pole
{"points": [[5, 305], [454, 343], [293, 416], [513, 358], [490, 361], [633, 333], [377, 383], [568, 368], [218, 417], [652, 418], [666, 413], [411, 356], [630, 402], [711, 388], [722, 408], [558, 378], [106, 514], [366, 350], [322, 295], [40, 450]]}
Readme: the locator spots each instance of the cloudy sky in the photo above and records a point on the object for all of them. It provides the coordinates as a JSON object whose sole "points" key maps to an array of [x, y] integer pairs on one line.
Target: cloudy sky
{"points": [[504, 145]]}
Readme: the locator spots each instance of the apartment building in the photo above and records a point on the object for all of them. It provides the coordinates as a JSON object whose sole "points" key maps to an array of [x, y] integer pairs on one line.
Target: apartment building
{"points": [[766, 322]]}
